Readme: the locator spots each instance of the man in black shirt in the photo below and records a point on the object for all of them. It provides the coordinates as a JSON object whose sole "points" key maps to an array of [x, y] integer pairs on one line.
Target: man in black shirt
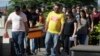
{"points": [[29, 16]]}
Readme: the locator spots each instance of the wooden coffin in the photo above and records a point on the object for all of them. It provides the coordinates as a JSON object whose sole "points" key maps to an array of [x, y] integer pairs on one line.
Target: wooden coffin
{"points": [[35, 33]]}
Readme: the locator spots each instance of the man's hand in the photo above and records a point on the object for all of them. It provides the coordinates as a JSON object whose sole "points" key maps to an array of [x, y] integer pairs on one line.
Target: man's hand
{"points": [[90, 29], [59, 33], [6, 35], [74, 35]]}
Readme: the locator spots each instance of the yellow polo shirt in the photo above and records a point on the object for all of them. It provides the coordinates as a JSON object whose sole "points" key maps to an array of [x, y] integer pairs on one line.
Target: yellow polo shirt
{"points": [[56, 20]]}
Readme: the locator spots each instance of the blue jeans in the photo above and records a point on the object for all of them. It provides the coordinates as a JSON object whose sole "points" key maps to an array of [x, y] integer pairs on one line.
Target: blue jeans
{"points": [[52, 44], [18, 39], [82, 38], [34, 45], [67, 43], [27, 45]]}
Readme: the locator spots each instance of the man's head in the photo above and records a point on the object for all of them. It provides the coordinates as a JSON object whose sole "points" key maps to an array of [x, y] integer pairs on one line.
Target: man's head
{"points": [[94, 9], [57, 7], [24, 8], [17, 9]]}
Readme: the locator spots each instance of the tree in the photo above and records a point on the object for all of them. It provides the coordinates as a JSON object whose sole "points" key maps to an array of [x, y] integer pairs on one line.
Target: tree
{"points": [[39, 2]]}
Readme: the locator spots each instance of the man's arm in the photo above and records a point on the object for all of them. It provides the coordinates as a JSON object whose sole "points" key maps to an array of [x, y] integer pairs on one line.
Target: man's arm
{"points": [[61, 29], [25, 21], [46, 26], [75, 29], [7, 24], [92, 24], [62, 24], [47, 21], [26, 27]]}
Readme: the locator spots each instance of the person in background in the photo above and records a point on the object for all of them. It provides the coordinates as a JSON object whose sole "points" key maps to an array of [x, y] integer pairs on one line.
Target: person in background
{"points": [[73, 10], [88, 15], [83, 27], [86, 9], [35, 41], [39, 42], [69, 31], [77, 13], [35, 16], [28, 12], [64, 10], [54, 26], [41, 20], [19, 28], [95, 16]]}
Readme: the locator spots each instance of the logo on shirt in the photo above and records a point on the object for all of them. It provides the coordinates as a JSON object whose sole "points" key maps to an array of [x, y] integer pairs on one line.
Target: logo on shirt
{"points": [[54, 18]]}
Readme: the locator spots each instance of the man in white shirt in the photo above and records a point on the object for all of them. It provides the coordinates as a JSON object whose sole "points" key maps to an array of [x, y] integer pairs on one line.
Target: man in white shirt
{"points": [[19, 27]]}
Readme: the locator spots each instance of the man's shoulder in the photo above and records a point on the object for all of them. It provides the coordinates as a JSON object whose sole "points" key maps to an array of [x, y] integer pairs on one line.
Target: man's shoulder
{"points": [[11, 14], [23, 14], [51, 12]]}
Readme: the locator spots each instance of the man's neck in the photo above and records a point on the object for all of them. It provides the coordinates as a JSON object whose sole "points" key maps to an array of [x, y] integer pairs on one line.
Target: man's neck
{"points": [[18, 13], [57, 12]]}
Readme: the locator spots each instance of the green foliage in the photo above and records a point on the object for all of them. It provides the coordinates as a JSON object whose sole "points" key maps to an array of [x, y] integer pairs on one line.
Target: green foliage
{"points": [[49, 2], [95, 35], [96, 32]]}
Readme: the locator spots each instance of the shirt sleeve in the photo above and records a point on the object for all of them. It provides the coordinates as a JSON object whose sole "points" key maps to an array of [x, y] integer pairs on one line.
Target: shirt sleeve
{"points": [[75, 21], [62, 19], [25, 18], [48, 17], [99, 16], [9, 17]]}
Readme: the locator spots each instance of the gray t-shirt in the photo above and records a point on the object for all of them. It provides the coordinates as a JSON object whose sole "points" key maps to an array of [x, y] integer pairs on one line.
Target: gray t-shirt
{"points": [[83, 26], [77, 16]]}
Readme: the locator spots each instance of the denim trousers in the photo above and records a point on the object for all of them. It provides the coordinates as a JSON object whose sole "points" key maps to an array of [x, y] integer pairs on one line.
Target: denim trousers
{"points": [[27, 45], [82, 38], [18, 40], [34, 45], [52, 44], [67, 43]]}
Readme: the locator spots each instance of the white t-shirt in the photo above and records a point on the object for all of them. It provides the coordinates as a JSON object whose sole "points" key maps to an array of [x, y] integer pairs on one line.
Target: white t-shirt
{"points": [[17, 21]]}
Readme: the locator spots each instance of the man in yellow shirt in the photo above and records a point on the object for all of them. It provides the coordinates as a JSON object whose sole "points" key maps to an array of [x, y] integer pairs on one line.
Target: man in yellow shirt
{"points": [[54, 26]]}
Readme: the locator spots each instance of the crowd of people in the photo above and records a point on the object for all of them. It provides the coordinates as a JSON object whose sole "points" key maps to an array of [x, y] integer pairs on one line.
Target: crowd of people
{"points": [[63, 27]]}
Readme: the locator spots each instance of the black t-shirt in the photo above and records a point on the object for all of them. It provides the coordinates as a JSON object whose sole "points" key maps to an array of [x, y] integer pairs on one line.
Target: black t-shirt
{"points": [[28, 15], [69, 26], [1, 14], [35, 17]]}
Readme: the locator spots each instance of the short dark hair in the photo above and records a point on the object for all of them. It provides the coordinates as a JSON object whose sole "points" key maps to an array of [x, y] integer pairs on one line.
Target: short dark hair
{"points": [[84, 13], [17, 8], [24, 7], [58, 4], [70, 14]]}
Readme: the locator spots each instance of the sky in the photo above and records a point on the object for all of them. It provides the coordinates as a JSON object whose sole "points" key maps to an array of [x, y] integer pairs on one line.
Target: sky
{"points": [[4, 3], [99, 2]]}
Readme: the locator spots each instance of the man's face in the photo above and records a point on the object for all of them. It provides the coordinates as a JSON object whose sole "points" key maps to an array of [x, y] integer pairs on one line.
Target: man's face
{"points": [[73, 10], [56, 8], [94, 10], [18, 12], [37, 11], [78, 8]]}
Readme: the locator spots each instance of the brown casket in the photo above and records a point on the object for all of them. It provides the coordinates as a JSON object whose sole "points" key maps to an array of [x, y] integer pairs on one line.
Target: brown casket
{"points": [[35, 33]]}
